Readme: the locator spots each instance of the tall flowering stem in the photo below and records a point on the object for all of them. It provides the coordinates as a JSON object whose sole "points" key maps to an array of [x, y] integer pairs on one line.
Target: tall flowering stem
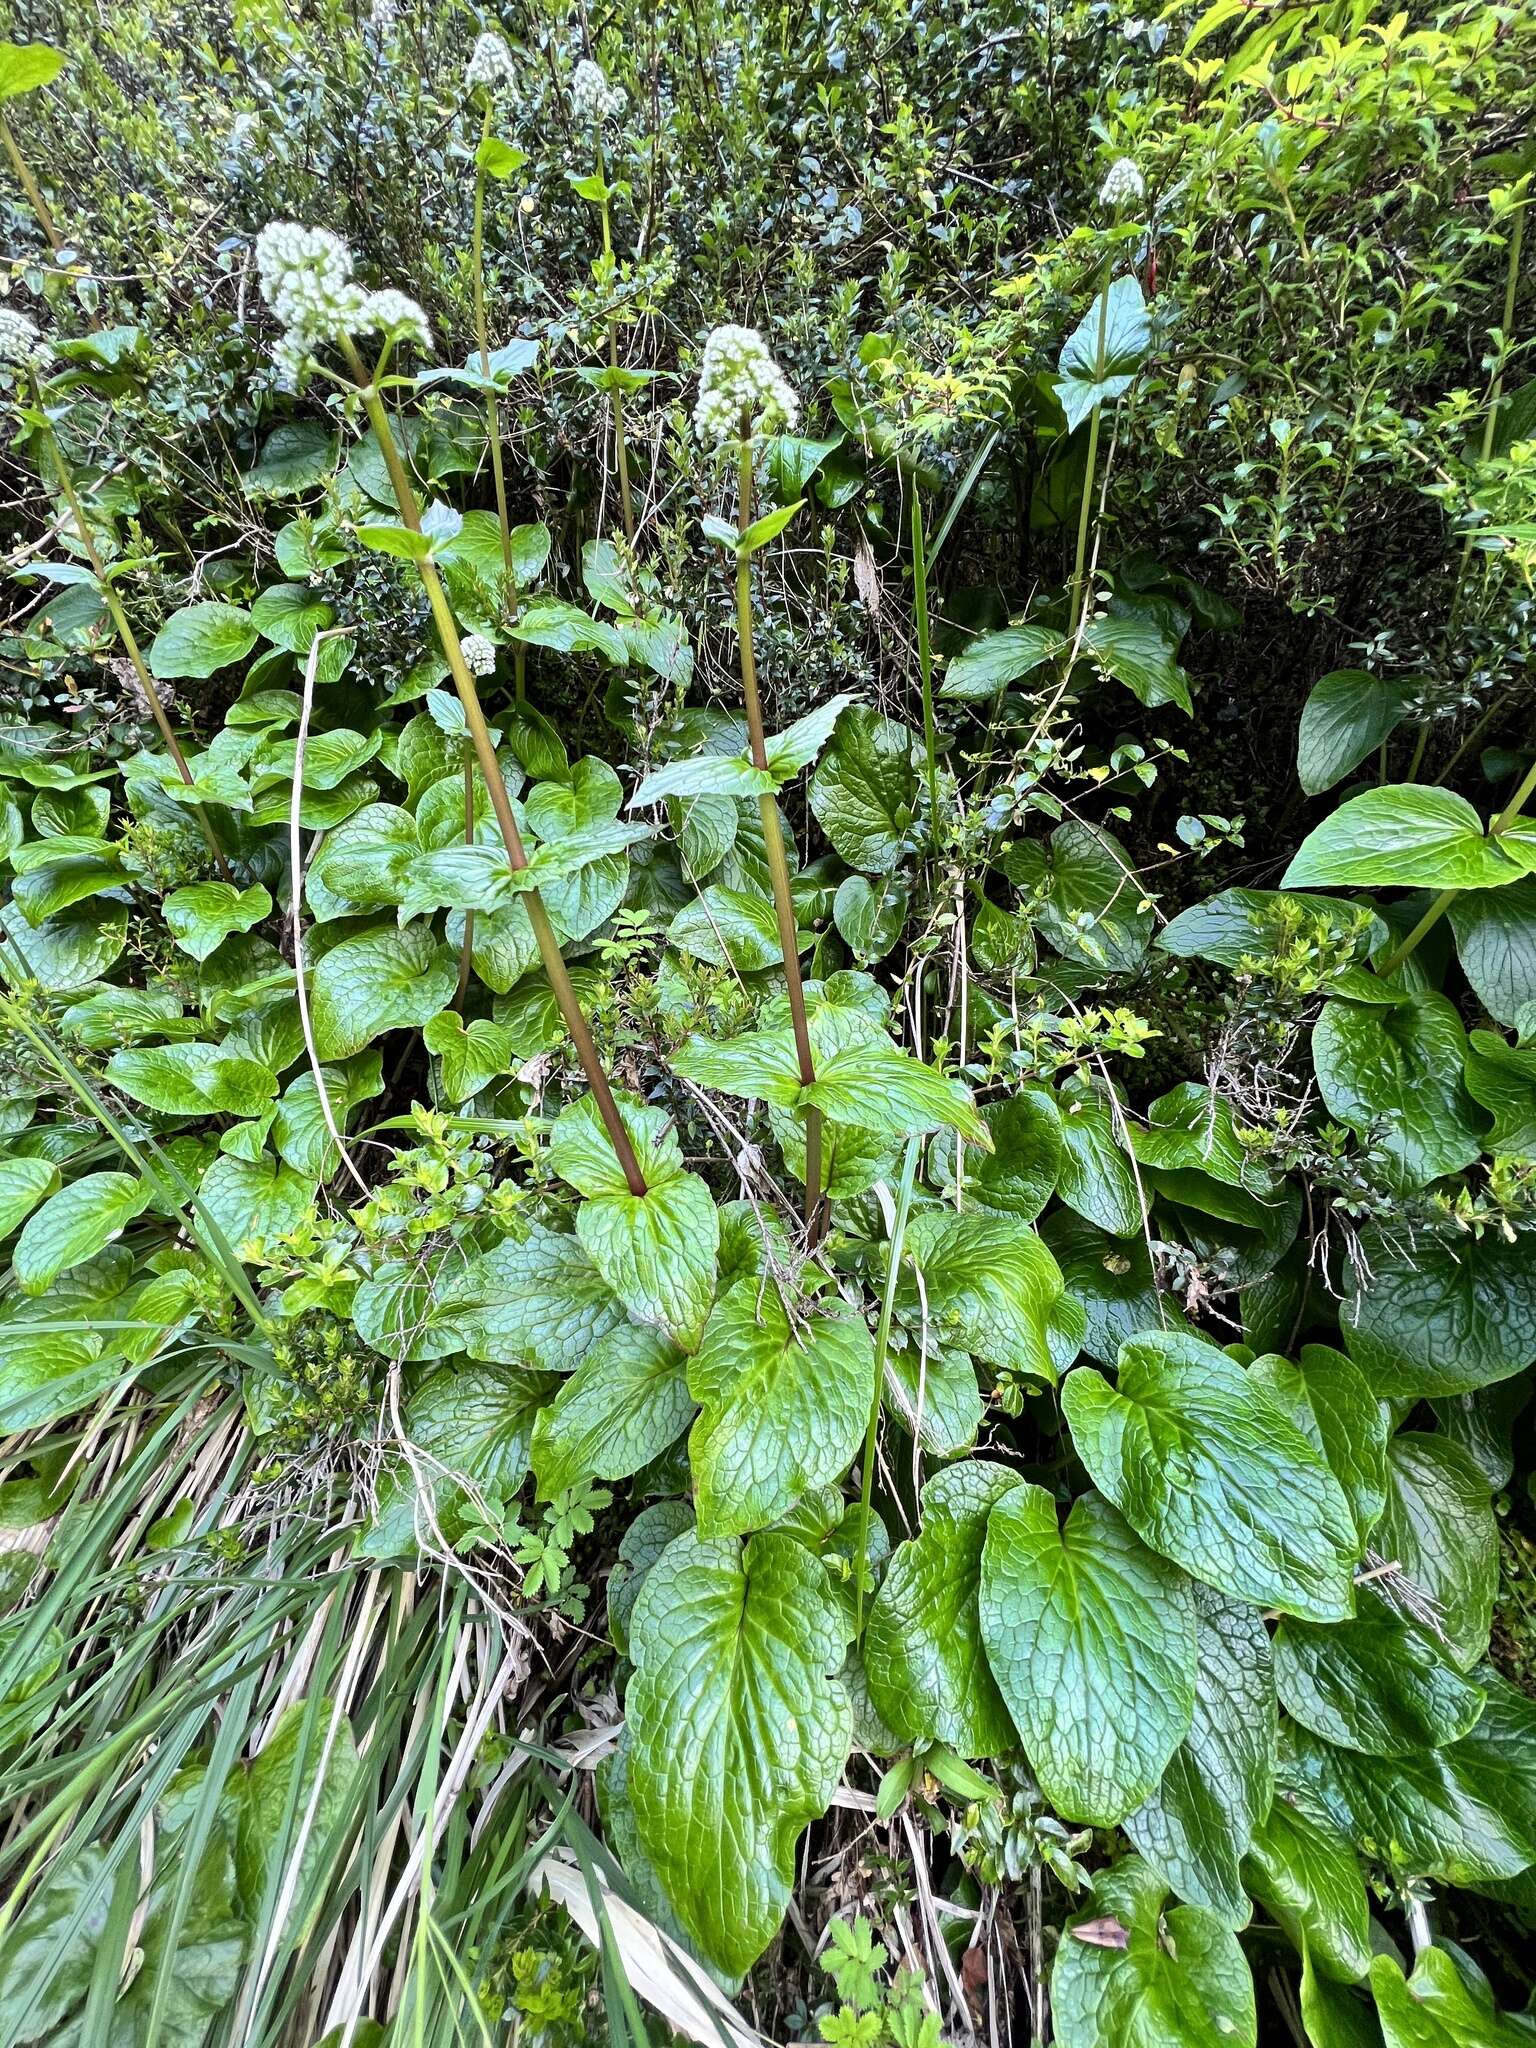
{"points": [[555, 970], [773, 843]]}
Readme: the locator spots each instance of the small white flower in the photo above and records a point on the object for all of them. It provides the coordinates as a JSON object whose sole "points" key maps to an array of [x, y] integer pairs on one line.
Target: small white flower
{"points": [[306, 278], [479, 654], [20, 342], [490, 69], [383, 15], [1123, 184], [593, 98], [392, 313], [741, 387]]}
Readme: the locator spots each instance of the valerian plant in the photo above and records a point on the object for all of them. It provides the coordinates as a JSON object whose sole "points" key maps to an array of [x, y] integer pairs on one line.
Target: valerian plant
{"points": [[847, 1189]]}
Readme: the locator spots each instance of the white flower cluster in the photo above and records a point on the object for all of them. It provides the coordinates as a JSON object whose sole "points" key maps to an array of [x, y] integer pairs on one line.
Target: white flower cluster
{"points": [[1123, 184], [490, 68], [20, 342], [479, 654], [383, 16], [392, 313], [740, 382], [306, 278], [594, 99]]}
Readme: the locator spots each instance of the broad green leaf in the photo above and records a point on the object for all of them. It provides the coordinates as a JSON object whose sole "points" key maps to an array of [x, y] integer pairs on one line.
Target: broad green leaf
{"points": [[1255, 924], [923, 1656], [728, 928], [1197, 1826], [1091, 1638], [798, 745], [1327, 1398], [656, 1250], [1135, 647], [72, 949], [45, 1970], [74, 1224], [1179, 1981], [1305, 1875], [1373, 1684], [294, 457], [1104, 351], [1095, 1177], [935, 1394], [870, 915], [639, 1548], [1084, 895], [192, 1079], [259, 1199], [1466, 1813], [1437, 2007], [377, 981], [473, 1054], [1501, 1078], [864, 795], [26, 66], [1394, 1076], [1438, 1530], [23, 1184], [739, 1729], [702, 775], [1112, 1279], [1212, 1474], [990, 663], [784, 1400], [46, 1373], [1404, 836], [626, 1403], [874, 1085], [202, 915], [1439, 1315], [299, 1130], [466, 1427], [1018, 1177], [988, 1286], [1347, 715], [536, 1301], [1496, 944], [200, 639]]}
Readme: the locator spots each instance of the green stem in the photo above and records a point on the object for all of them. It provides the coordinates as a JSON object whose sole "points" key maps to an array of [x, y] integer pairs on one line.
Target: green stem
{"points": [[773, 844], [493, 417], [882, 1345], [1511, 812], [120, 623], [1085, 513], [626, 504], [925, 658], [467, 944], [553, 961], [35, 199]]}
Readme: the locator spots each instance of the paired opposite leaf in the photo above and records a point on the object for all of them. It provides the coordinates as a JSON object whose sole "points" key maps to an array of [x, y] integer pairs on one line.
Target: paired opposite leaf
{"points": [[656, 1250]]}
